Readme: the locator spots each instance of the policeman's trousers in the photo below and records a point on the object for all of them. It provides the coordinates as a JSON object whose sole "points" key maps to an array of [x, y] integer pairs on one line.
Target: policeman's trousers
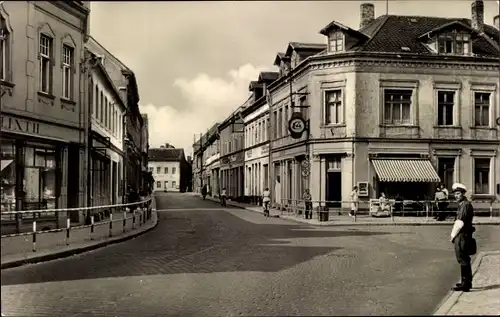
{"points": [[463, 257]]}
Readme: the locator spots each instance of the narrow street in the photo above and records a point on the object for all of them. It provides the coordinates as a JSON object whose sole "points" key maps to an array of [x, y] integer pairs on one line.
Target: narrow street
{"points": [[203, 260]]}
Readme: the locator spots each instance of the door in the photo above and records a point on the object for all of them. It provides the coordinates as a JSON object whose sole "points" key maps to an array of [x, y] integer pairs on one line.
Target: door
{"points": [[334, 189]]}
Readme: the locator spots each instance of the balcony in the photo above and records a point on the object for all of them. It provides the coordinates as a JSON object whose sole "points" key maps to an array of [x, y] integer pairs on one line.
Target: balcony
{"points": [[484, 133], [287, 140], [448, 132], [399, 131]]}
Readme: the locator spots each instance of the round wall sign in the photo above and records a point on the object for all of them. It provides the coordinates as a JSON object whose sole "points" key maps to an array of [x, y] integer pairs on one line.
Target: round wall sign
{"points": [[498, 121], [296, 125]]}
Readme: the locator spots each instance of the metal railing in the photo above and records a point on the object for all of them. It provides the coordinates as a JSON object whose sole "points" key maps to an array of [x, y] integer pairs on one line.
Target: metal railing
{"points": [[139, 217], [428, 208]]}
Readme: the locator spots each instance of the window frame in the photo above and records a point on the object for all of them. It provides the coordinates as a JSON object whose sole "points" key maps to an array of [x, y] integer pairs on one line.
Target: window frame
{"points": [[488, 123], [490, 174], [326, 107], [335, 37], [443, 108], [67, 71], [47, 60], [412, 85], [5, 47], [453, 36]]}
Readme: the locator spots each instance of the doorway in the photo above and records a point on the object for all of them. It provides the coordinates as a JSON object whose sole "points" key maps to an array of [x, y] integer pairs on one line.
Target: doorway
{"points": [[334, 189]]}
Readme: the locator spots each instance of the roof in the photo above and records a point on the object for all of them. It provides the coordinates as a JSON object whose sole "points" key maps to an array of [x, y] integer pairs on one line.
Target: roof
{"points": [[335, 24], [279, 57], [254, 84], [165, 155], [296, 46], [391, 33], [268, 76]]}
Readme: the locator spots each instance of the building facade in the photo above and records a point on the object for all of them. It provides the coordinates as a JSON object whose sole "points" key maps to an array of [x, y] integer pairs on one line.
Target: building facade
{"points": [[211, 161], [170, 169], [43, 112], [145, 152], [106, 137], [393, 114]]}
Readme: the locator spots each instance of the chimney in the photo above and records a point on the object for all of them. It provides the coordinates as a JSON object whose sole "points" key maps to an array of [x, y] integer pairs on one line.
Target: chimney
{"points": [[496, 22], [367, 13], [477, 17]]}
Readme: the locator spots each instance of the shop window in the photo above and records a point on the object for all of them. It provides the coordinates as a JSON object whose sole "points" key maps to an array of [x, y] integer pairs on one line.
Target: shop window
{"points": [[39, 181], [174, 184], [397, 106], [482, 176], [446, 101], [166, 184], [8, 176], [158, 184], [482, 109], [446, 170]]}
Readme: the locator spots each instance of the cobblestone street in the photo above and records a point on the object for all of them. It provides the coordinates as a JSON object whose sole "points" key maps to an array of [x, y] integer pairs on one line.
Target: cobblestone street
{"points": [[202, 260]]}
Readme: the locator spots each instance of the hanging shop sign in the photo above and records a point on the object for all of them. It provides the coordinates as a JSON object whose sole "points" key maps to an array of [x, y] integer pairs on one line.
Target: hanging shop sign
{"points": [[296, 125], [498, 121]]}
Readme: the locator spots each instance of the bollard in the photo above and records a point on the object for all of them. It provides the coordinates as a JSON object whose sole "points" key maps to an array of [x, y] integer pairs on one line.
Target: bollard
{"points": [[124, 220], [111, 224], [133, 220], [91, 227], [34, 235], [68, 224], [491, 210]]}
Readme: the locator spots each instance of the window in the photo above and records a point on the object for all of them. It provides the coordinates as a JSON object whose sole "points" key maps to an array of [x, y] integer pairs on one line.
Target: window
{"points": [[67, 63], [333, 106], [101, 106], [446, 100], [397, 106], [280, 122], [174, 184], [454, 43], [482, 109], [166, 184], [96, 102], [446, 170], [4, 49], [166, 170], [45, 51], [285, 121], [173, 170], [336, 42], [105, 112], [482, 175], [158, 184], [158, 170]]}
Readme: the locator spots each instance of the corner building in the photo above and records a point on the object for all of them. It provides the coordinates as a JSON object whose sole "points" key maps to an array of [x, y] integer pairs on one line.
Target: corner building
{"points": [[43, 112], [398, 115]]}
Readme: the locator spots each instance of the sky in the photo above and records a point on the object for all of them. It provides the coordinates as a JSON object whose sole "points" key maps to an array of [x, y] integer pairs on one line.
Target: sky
{"points": [[194, 60]]}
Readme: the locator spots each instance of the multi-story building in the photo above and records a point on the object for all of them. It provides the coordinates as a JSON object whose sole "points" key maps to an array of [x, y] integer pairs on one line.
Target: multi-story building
{"points": [[43, 112], [197, 164], [232, 147], [211, 161], [169, 168], [125, 81], [106, 137], [145, 152], [256, 121], [396, 106]]}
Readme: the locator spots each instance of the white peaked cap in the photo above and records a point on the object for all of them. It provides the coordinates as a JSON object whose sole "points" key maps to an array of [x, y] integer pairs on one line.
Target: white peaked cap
{"points": [[458, 186]]}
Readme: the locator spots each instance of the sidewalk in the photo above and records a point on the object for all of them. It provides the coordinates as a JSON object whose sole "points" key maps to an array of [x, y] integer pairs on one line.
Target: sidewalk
{"points": [[17, 250], [484, 298], [361, 220]]}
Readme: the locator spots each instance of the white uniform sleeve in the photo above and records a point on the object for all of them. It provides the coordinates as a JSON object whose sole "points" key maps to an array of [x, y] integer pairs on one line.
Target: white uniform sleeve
{"points": [[456, 228]]}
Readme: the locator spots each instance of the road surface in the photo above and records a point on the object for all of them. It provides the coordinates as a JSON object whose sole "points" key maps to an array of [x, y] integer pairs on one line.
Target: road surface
{"points": [[202, 260]]}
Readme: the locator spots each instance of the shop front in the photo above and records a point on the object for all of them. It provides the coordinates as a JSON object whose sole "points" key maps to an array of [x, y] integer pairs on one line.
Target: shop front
{"points": [[41, 168], [289, 175], [232, 175], [256, 173]]}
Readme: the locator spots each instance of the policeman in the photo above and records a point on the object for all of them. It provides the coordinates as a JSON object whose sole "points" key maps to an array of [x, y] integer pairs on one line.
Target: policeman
{"points": [[461, 235]]}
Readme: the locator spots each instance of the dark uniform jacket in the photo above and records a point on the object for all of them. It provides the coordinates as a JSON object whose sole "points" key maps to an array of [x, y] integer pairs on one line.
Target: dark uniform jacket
{"points": [[465, 213]]}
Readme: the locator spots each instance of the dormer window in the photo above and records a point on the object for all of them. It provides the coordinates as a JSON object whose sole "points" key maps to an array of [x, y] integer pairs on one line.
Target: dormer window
{"points": [[454, 43], [336, 42]]}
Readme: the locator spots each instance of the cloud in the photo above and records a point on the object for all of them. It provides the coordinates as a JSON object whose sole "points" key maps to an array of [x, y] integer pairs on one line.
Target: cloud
{"points": [[210, 100]]}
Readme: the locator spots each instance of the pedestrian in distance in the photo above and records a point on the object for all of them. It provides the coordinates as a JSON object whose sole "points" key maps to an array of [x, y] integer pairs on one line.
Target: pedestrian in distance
{"points": [[461, 237], [266, 200], [223, 197], [354, 201], [308, 203], [440, 199], [204, 191]]}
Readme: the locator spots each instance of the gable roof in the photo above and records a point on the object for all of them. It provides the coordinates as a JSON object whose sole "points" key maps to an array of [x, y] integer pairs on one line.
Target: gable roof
{"points": [[268, 76], [166, 155], [348, 30], [391, 33]]}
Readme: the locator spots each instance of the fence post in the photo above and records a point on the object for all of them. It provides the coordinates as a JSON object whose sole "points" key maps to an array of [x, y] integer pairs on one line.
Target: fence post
{"points": [[92, 227], [124, 220], [34, 235], [111, 224], [68, 224]]}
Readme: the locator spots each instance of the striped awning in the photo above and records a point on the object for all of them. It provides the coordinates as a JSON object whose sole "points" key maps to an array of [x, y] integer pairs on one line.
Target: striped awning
{"points": [[391, 170]]}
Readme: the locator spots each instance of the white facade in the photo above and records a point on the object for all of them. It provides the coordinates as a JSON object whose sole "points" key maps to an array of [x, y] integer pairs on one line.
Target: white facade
{"points": [[257, 153], [167, 175], [107, 110]]}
